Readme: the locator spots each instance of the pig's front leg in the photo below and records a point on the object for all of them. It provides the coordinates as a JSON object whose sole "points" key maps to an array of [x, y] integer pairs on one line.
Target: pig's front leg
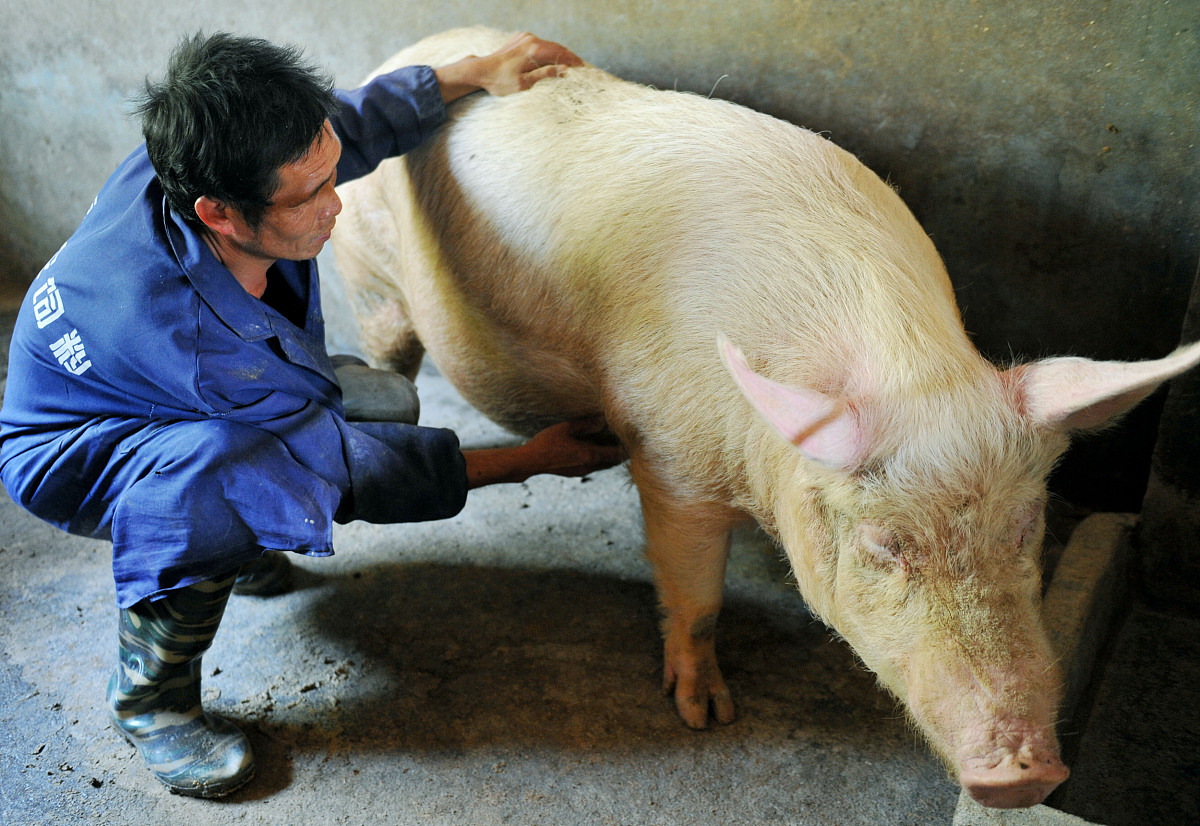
{"points": [[687, 543]]}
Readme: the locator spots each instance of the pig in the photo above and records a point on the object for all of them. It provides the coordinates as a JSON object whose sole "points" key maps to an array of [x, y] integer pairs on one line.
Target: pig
{"points": [[772, 336]]}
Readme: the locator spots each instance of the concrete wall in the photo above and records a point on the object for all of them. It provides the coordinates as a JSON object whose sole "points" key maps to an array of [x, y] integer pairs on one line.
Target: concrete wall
{"points": [[1049, 148], [1168, 535]]}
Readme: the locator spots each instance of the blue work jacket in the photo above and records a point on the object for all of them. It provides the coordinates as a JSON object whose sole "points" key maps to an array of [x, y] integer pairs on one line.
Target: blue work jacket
{"points": [[152, 401]]}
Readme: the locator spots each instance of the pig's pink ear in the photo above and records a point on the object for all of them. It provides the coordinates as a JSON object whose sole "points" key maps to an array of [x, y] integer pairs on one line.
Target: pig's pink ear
{"points": [[1080, 394], [824, 429]]}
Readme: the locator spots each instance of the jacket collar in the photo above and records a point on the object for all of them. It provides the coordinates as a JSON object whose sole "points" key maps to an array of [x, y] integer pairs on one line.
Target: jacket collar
{"points": [[240, 311]]}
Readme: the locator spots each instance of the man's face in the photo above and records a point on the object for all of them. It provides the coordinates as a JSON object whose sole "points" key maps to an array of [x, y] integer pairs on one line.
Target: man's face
{"points": [[304, 208]]}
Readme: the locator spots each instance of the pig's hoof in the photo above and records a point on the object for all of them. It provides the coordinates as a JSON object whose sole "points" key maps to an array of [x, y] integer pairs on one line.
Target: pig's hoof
{"points": [[695, 699]]}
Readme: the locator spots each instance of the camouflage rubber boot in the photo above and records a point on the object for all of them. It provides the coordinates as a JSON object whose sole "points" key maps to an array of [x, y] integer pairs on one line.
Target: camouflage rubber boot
{"points": [[267, 576], [371, 395], [154, 695]]}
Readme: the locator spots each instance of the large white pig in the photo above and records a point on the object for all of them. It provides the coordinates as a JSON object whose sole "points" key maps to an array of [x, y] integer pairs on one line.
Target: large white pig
{"points": [[594, 246]]}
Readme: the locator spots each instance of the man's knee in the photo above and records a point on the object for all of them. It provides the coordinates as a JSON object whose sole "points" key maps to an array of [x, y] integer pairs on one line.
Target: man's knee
{"points": [[217, 487], [212, 471]]}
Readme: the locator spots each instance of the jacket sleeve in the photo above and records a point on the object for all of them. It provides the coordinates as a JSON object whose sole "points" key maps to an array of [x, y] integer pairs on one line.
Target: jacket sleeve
{"points": [[390, 115], [402, 473]]}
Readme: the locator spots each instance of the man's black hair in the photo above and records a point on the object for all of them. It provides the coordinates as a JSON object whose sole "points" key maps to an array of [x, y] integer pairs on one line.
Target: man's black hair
{"points": [[230, 112]]}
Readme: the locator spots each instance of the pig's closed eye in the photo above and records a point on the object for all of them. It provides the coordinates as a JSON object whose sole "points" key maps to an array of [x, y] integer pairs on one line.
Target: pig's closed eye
{"points": [[881, 545]]}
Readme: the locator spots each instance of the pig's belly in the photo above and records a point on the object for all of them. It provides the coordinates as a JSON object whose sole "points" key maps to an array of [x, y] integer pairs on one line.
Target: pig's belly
{"points": [[523, 384]]}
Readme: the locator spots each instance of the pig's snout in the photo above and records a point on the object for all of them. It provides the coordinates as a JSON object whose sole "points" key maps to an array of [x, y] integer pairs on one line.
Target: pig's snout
{"points": [[1013, 780]]}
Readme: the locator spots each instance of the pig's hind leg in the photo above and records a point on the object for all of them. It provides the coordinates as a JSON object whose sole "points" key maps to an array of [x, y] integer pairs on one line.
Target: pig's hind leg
{"points": [[386, 331], [390, 340], [687, 543]]}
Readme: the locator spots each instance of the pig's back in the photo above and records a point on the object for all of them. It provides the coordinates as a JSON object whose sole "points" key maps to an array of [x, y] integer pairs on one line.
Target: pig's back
{"points": [[589, 234]]}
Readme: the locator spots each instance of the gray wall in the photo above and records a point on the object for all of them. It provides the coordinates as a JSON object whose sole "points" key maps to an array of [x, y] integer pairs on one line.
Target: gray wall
{"points": [[1048, 148]]}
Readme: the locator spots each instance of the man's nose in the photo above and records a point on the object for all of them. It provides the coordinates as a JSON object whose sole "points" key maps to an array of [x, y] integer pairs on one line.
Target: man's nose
{"points": [[333, 206]]}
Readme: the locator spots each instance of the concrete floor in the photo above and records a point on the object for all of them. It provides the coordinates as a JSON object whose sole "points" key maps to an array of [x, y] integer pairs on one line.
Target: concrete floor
{"points": [[502, 667]]}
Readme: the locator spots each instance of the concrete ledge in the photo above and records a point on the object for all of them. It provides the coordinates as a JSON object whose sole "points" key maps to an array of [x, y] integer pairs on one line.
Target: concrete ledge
{"points": [[1080, 607], [1087, 590], [970, 813]]}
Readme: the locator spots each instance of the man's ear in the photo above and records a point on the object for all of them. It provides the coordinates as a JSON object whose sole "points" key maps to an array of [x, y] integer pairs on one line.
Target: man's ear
{"points": [[215, 215]]}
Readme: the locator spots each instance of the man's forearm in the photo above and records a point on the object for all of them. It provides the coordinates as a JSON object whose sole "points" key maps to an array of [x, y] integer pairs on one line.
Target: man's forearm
{"points": [[492, 466], [572, 448], [460, 79]]}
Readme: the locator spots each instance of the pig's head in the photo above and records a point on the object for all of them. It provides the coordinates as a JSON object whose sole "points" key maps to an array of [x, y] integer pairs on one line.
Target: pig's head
{"points": [[915, 529]]}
